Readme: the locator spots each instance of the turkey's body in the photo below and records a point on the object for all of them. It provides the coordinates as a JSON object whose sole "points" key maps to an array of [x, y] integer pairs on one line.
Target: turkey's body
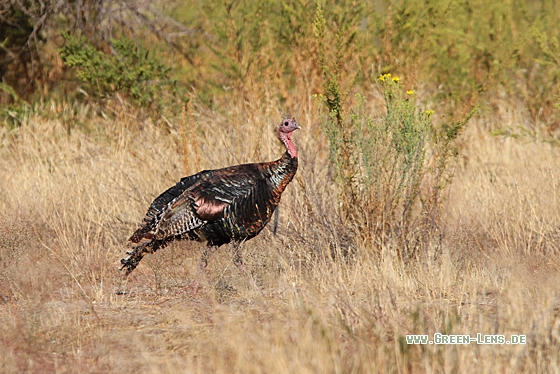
{"points": [[217, 206]]}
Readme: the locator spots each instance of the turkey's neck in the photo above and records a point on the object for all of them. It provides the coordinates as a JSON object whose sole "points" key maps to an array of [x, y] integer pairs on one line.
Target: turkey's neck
{"points": [[282, 172], [290, 147]]}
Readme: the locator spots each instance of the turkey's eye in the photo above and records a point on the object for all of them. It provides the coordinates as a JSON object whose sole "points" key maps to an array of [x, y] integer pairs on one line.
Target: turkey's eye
{"points": [[285, 123]]}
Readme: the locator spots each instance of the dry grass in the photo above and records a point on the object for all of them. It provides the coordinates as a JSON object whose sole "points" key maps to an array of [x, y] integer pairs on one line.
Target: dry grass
{"points": [[72, 197]]}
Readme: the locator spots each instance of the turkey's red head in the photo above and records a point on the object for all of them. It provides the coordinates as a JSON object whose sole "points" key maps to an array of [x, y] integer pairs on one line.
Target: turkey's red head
{"points": [[288, 125]]}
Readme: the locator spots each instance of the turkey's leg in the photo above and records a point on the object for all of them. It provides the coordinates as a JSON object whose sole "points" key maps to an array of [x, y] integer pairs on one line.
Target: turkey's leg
{"points": [[208, 251], [238, 261]]}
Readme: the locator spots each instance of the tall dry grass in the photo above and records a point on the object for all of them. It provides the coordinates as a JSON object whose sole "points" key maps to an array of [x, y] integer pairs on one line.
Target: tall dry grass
{"points": [[73, 194]]}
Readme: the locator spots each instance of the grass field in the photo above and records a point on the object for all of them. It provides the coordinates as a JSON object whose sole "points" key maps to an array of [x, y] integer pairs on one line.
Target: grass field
{"points": [[71, 197], [84, 152]]}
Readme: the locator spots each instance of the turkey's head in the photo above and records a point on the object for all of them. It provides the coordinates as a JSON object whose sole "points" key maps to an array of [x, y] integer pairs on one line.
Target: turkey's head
{"points": [[288, 126]]}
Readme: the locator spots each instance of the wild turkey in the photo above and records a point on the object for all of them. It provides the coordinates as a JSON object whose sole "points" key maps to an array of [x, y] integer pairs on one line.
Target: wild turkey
{"points": [[220, 206]]}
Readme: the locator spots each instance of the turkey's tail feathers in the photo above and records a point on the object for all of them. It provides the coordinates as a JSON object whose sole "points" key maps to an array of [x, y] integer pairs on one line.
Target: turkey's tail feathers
{"points": [[143, 241], [135, 256]]}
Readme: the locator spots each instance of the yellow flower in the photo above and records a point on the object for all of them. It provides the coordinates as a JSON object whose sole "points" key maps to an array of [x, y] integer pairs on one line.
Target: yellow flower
{"points": [[396, 79], [428, 112], [384, 76], [410, 92]]}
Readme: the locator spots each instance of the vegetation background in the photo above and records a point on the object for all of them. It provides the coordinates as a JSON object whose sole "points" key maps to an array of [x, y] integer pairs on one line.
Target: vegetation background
{"points": [[426, 200]]}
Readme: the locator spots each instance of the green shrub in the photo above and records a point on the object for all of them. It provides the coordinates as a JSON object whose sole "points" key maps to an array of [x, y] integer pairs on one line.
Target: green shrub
{"points": [[131, 70], [391, 168]]}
